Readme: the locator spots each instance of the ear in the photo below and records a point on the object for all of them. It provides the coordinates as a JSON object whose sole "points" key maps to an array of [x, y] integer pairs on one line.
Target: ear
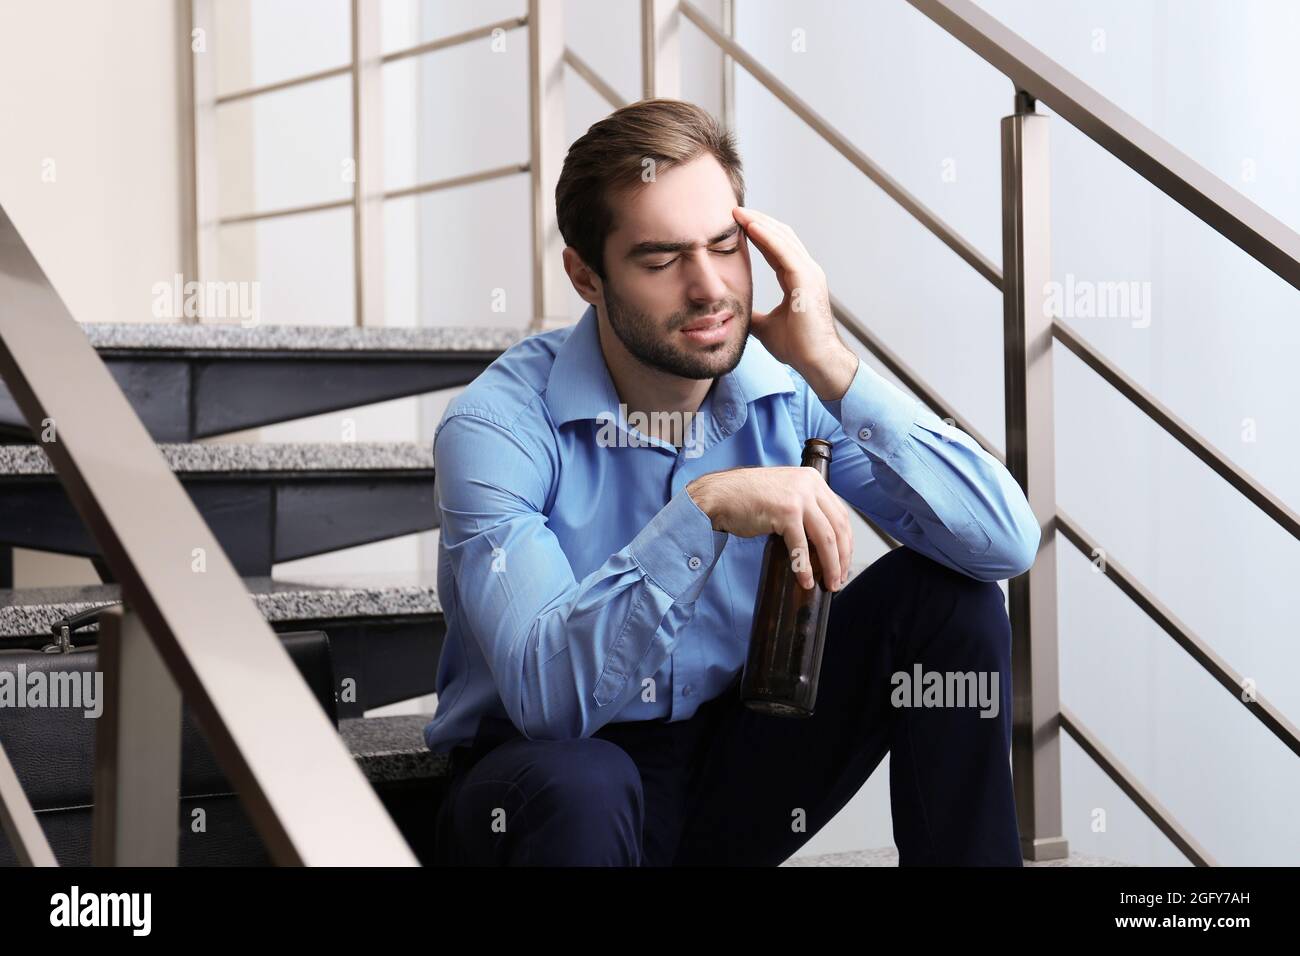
{"points": [[585, 282]]}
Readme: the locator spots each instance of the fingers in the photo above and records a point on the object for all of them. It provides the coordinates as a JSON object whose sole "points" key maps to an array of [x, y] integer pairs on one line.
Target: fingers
{"points": [[775, 240], [821, 533], [797, 544], [764, 219], [818, 518], [838, 515]]}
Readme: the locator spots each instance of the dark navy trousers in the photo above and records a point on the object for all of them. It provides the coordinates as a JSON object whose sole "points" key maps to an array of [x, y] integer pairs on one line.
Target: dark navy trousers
{"points": [[731, 786]]}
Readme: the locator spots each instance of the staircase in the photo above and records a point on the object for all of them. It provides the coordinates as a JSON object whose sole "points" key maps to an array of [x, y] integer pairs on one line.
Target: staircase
{"points": [[267, 503], [273, 502]]}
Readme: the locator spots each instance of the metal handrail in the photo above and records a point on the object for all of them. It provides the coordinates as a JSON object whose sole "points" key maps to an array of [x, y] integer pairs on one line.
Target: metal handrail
{"points": [[453, 182], [456, 39], [891, 187], [1150, 406], [287, 84], [1174, 173], [1243, 223], [904, 373], [419, 189], [1147, 403], [1195, 646], [594, 79], [298, 782], [1254, 231], [1199, 650], [429, 46], [1146, 801]]}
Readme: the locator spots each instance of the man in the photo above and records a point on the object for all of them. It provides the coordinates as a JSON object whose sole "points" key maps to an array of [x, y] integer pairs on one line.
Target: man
{"points": [[598, 576]]}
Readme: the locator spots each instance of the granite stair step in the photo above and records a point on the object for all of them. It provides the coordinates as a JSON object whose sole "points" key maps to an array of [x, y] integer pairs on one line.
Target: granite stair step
{"points": [[392, 748], [386, 630], [888, 856], [189, 381], [266, 502]]}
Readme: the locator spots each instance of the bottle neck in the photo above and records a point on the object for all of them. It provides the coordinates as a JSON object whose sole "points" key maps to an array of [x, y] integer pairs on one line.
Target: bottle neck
{"points": [[812, 458]]}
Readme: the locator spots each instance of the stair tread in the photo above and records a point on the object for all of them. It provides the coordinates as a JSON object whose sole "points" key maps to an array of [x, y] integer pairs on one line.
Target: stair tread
{"points": [[208, 457], [25, 612], [392, 748], [888, 856], [282, 338]]}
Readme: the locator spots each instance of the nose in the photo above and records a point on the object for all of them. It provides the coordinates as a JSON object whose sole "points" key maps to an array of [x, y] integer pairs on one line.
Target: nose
{"points": [[704, 280]]}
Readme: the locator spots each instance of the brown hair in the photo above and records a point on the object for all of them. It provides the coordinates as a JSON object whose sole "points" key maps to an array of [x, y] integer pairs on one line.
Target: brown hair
{"points": [[611, 156]]}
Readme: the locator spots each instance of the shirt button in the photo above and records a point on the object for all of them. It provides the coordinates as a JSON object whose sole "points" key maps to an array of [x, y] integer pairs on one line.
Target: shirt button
{"points": [[686, 691], [694, 563], [864, 434]]}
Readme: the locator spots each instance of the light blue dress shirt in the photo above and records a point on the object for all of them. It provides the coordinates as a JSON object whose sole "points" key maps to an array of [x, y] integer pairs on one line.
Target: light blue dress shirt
{"points": [[581, 584]]}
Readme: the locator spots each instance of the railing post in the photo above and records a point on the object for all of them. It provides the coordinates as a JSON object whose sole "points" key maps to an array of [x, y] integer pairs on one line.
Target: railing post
{"points": [[137, 749], [661, 62], [729, 67], [546, 157], [200, 208], [1027, 343], [368, 162]]}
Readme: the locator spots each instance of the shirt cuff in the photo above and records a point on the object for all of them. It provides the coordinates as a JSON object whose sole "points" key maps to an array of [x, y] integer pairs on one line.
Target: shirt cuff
{"points": [[678, 548], [874, 412]]}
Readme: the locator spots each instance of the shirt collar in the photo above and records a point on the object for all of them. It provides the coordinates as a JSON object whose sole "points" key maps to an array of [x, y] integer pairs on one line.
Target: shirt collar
{"points": [[579, 386]]}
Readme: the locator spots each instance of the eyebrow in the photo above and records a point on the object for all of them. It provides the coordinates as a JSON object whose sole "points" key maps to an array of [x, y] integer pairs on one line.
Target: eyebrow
{"points": [[680, 245]]}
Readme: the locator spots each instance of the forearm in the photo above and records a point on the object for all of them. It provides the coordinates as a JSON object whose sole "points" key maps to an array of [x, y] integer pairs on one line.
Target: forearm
{"points": [[566, 664], [931, 484]]}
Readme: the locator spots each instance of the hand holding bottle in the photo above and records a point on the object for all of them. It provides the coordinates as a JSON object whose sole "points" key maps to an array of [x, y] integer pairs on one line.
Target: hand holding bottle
{"points": [[793, 502]]}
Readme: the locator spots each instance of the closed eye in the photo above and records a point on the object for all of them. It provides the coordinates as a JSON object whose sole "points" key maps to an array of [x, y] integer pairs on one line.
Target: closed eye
{"points": [[722, 252]]}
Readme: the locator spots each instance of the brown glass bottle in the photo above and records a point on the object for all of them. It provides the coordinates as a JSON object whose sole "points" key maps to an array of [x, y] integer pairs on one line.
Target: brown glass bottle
{"points": [[789, 629]]}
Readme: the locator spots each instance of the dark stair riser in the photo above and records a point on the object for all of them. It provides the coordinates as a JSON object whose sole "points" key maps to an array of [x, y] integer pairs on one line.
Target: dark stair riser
{"points": [[188, 396], [388, 659], [229, 838], [259, 519], [411, 787]]}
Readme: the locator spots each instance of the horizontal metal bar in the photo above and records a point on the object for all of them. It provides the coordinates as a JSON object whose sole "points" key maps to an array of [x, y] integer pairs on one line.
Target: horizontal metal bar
{"points": [[1183, 636], [1175, 174], [290, 211], [891, 187], [594, 79], [1199, 650], [279, 85], [453, 181], [431, 46], [466, 180], [1261, 497], [18, 820], [455, 39], [904, 373], [1146, 801]]}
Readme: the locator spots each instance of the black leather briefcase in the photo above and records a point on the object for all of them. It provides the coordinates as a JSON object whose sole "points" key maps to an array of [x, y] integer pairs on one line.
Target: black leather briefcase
{"points": [[52, 750]]}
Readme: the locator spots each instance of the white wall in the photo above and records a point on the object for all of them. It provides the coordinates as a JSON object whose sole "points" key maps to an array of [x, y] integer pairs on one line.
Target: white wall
{"points": [[90, 166]]}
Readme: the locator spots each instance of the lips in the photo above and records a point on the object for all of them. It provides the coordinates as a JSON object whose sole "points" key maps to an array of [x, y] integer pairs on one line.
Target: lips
{"points": [[709, 322], [710, 330]]}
